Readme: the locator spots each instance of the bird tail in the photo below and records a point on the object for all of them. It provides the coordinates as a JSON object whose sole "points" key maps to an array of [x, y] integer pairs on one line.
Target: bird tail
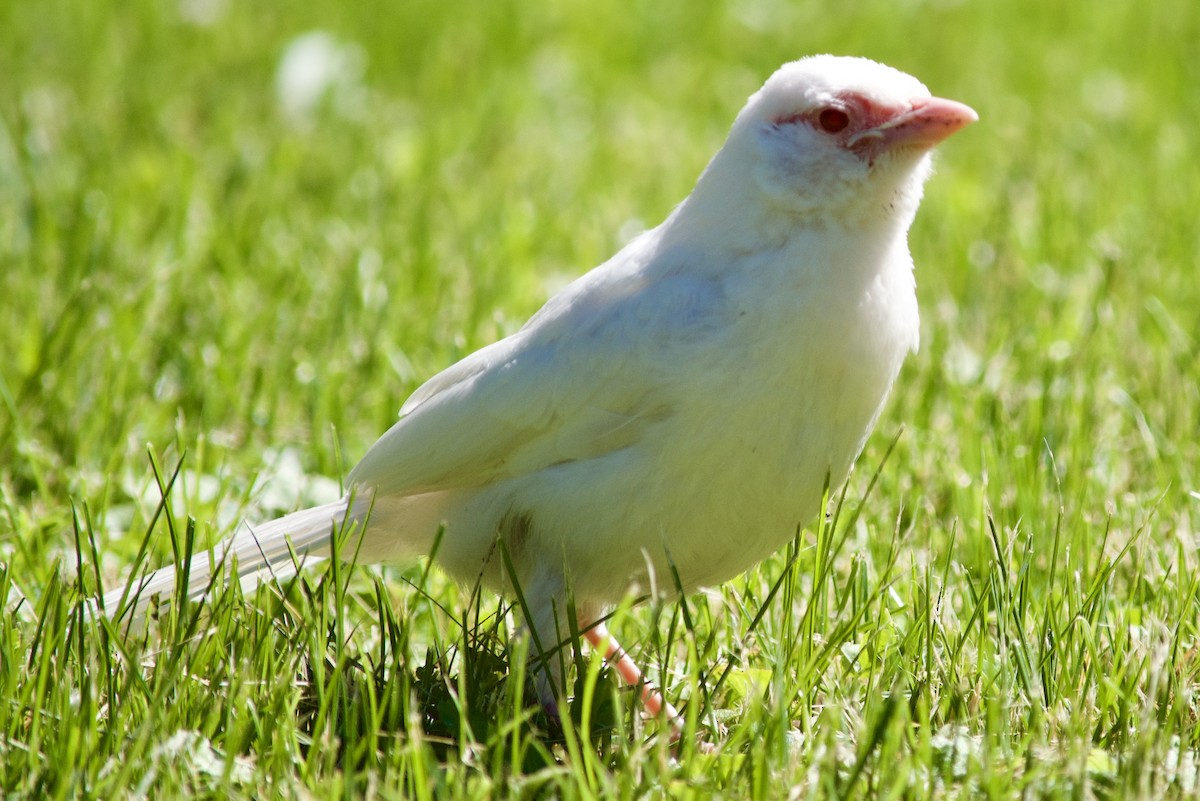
{"points": [[275, 549]]}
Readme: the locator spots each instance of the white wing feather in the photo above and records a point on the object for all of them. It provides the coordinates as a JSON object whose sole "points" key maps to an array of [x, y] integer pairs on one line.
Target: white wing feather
{"points": [[583, 378]]}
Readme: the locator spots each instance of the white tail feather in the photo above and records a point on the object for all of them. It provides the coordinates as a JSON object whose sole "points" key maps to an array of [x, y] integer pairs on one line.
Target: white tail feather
{"points": [[258, 551]]}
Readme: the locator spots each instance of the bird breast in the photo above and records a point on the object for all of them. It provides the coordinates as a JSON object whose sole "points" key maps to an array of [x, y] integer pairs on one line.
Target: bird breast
{"points": [[777, 401]]}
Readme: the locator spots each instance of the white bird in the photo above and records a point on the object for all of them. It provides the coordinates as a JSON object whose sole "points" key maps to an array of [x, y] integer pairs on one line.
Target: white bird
{"points": [[681, 406]]}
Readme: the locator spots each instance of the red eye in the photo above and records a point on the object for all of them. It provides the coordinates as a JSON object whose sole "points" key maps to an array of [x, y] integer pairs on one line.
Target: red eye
{"points": [[833, 120]]}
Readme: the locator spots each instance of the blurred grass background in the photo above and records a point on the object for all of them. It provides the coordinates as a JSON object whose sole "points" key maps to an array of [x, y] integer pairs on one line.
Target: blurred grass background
{"points": [[252, 275]]}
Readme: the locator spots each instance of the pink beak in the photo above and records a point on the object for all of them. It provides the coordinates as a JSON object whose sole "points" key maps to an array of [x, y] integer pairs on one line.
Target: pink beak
{"points": [[928, 121]]}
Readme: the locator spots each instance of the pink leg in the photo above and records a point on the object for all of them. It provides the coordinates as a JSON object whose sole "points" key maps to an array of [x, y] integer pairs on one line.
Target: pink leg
{"points": [[653, 700]]}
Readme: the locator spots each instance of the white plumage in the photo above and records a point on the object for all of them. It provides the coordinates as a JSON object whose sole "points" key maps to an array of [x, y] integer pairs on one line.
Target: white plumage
{"points": [[684, 402]]}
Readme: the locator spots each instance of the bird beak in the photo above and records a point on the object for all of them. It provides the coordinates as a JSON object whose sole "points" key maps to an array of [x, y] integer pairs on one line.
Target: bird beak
{"points": [[927, 122]]}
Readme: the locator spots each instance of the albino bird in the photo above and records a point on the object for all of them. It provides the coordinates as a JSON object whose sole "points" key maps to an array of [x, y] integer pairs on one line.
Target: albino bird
{"points": [[682, 405]]}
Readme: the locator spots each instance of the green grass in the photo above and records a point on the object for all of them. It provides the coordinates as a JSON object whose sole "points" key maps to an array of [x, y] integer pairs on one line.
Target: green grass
{"points": [[200, 294]]}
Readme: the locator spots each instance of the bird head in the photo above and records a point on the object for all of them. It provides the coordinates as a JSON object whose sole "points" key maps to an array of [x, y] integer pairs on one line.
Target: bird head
{"points": [[846, 139]]}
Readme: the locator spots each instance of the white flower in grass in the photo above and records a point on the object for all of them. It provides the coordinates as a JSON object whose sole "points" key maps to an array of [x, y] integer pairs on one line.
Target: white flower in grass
{"points": [[316, 68]]}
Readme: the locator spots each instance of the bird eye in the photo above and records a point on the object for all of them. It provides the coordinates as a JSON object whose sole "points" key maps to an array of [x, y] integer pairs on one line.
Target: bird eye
{"points": [[833, 120]]}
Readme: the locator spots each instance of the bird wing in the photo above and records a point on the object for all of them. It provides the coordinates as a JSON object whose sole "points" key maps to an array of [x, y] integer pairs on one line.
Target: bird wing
{"points": [[585, 377]]}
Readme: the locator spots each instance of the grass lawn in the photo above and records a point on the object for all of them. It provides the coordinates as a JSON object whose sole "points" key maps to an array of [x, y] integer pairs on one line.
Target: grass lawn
{"points": [[220, 284]]}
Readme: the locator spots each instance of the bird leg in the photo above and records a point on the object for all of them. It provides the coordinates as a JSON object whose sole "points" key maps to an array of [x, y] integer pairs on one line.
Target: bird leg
{"points": [[615, 655]]}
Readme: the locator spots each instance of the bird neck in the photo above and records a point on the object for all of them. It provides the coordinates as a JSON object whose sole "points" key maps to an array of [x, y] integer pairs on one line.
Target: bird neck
{"points": [[726, 210], [729, 211]]}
